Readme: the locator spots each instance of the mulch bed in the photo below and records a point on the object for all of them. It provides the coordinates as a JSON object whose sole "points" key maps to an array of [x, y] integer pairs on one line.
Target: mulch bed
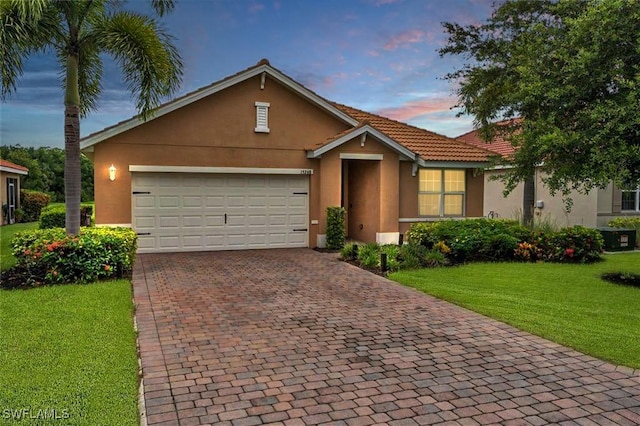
{"points": [[622, 278]]}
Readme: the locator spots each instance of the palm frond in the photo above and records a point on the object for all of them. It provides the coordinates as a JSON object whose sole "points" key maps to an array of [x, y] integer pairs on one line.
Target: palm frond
{"points": [[150, 62], [162, 7], [23, 31]]}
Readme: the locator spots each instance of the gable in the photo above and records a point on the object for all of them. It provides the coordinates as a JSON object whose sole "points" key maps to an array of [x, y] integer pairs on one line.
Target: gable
{"points": [[261, 74]]}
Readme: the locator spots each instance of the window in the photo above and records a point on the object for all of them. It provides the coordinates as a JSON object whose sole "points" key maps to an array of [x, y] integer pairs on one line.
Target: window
{"points": [[262, 117], [441, 192], [631, 200]]}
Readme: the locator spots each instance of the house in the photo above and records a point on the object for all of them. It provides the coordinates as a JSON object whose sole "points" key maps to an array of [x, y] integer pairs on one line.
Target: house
{"points": [[591, 210], [254, 160], [10, 189]]}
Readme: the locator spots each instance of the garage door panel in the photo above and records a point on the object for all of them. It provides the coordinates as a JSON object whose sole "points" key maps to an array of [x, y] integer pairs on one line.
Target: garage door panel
{"points": [[187, 212], [190, 201]]}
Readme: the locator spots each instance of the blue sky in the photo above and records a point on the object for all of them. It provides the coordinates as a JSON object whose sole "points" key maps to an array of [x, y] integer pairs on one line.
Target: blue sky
{"points": [[376, 55]]}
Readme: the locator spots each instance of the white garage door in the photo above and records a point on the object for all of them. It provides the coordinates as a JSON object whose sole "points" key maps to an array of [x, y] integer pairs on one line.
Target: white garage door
{"points": [[189, 212]]}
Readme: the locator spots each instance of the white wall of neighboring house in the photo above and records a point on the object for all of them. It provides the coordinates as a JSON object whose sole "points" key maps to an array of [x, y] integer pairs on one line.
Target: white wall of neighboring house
{"points": [[583, 212]]}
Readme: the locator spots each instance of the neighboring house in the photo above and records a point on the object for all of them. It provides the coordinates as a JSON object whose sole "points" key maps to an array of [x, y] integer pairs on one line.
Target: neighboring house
{"points": [[254, 160], [592, 210], [10, 189]]}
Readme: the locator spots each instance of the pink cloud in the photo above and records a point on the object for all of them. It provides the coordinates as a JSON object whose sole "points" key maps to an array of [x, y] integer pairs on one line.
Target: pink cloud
{"points": [[256, 7], [417, 108], [384, 2], [405, 38]]}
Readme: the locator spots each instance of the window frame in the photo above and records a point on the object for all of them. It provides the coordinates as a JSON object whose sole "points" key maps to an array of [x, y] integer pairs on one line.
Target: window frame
{"points": [[442, 193], [636, 201]]}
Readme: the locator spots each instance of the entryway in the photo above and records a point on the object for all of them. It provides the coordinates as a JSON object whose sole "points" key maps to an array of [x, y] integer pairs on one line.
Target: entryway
{"points": [[360, 198]]}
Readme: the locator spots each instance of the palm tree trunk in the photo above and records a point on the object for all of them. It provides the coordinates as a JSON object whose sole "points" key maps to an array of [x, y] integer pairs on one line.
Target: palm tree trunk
{"points": [[72, 178]]}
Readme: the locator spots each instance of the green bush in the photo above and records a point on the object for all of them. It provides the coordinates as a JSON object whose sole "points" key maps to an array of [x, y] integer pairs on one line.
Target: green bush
{"points": [[51, 256], [335, 227], [471, 239], [628, 222], [412, 256], [55, 216], [32, 203], [369, 255], [574, 244], [435, 258], [495, 240], [347, 251]]}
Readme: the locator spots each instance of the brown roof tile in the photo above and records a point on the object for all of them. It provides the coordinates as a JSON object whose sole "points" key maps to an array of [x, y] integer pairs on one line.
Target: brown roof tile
{"points": [[498, 145], [5, 163], [429, 145]]}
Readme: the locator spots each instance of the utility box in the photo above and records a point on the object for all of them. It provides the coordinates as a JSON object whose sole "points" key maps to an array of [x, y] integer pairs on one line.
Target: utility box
{"points": [[618, 239]]}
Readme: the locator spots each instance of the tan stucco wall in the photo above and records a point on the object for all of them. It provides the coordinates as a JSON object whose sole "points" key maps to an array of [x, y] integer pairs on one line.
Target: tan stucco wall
{"points": [[583, 211], [217, 131]]}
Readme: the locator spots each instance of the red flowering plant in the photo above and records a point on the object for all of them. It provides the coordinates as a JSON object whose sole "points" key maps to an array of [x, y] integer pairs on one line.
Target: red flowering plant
{"points": [[50, 256]]}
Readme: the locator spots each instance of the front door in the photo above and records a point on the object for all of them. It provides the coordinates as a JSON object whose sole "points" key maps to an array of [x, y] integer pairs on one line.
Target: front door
{"points": [[12, 200], [363, 200]]}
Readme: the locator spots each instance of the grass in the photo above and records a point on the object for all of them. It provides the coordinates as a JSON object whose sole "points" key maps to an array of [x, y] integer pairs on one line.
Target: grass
{"points": [[568, 304], [70, 351], [6, 235]]}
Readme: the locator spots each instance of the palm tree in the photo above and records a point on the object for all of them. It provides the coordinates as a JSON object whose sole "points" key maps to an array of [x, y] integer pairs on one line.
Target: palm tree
{"points": [[79, 32]]}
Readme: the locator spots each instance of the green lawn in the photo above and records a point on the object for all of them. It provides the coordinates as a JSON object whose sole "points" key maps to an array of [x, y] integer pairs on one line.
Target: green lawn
{"points": [[71, 349], [6, 235], [568, 304]]}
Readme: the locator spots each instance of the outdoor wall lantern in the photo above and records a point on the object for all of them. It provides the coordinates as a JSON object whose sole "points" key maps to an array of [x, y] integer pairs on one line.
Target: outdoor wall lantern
{"points": [[112, 173]]}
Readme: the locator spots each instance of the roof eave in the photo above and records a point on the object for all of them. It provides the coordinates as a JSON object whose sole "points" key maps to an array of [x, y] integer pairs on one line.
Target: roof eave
{"points": [[8, 169], [364, 130]]}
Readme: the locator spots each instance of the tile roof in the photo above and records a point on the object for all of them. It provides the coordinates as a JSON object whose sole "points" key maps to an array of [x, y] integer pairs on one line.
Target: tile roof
{"points": [[9, 164], [497, 145], [429, 145]]}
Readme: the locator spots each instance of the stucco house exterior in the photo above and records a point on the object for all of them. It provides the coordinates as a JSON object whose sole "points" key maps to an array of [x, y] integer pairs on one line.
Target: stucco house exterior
{"points": [[10, 189], [254, 160], [592, 210]]}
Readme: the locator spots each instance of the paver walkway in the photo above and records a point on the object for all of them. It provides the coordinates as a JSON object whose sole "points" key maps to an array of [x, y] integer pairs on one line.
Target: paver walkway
{"points": [[296, 337]]}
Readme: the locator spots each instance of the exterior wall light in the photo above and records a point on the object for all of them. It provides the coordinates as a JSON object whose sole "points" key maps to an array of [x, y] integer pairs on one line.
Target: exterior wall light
{"points": [[112, 173]]}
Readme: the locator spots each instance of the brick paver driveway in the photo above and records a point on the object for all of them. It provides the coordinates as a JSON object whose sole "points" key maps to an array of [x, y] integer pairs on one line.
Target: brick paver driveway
{"points": [[297, 337]]}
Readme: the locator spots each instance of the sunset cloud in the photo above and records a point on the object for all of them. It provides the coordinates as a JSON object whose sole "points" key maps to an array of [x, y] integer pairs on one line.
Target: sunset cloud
{"points": [[405, 38], [412, 109]]}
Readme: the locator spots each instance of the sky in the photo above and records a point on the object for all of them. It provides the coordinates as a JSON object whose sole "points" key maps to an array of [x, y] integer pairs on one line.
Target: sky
{"points": [[377, 55]]}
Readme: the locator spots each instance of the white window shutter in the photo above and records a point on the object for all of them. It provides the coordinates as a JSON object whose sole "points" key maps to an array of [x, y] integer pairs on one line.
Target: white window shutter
{"points": [[262, 117]]}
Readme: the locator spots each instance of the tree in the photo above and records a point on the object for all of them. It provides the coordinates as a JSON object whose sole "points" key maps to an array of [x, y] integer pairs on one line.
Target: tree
{"points": [[560, 79], [79, 32]]}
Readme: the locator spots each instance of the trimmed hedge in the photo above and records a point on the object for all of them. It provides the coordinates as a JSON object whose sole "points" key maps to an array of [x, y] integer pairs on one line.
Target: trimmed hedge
{"points": [[55, 216], [471, 239], [32, 203], [51, 256], [335, 228], [498, 240]]}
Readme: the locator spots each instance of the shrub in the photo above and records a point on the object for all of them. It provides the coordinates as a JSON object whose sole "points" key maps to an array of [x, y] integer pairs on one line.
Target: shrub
{"points": [[55, 216], [434, 258], [369, 255], [471, 239], [574, 244], [412, 256], [628, 222], [50, 256], [335, 227], [32, 203], [392, 251], [347, 251]]}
